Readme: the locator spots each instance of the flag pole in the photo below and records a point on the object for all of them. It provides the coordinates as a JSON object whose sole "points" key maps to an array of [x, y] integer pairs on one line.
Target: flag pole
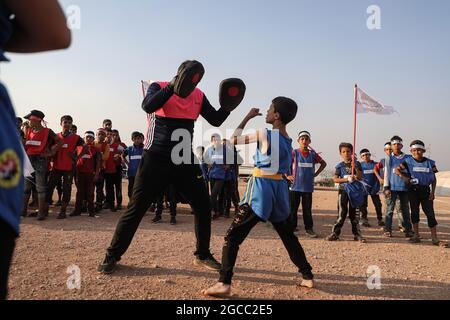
{"points": [[354, 132], [143, 89]]}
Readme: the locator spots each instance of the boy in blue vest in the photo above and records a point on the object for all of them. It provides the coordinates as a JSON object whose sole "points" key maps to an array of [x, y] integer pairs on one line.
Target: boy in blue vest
{"points": [[421, 174], [267, 195], [373, 187], [302, 181], [396, 188], [132, 157], [344, 175]]}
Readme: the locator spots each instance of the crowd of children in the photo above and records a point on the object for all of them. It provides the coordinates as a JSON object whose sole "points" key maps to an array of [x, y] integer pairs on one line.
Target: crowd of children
{"points": [[96, 162]]}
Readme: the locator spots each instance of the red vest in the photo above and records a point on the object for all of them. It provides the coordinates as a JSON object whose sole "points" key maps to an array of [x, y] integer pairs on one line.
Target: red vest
{"points": [[63, 161], [36, 142], [86, 164], [179, 108], [110, 165]]}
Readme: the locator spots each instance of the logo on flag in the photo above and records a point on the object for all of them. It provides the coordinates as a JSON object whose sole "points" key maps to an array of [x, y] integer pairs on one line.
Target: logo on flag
{"points": [[367, 104]]}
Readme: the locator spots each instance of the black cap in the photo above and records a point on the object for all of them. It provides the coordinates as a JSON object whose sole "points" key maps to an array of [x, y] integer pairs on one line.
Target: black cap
{"points": [[35, 113]]}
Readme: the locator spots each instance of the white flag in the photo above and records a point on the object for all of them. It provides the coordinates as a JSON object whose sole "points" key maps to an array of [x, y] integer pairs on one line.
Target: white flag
{"points": [[366, 104], [28, 169], [145, 86]]}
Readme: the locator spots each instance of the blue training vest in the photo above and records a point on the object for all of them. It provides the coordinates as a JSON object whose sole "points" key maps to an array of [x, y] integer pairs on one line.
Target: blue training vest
{"points": [[370, 178], [278, 158], [11, 164], [396, 183], [304, 172], [423, 171], [218, 157], [135, 156]]}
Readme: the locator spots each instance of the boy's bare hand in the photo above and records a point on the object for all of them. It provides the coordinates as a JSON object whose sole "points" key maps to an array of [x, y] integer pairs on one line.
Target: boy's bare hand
{"points": [[253, 113], [432, 197]]}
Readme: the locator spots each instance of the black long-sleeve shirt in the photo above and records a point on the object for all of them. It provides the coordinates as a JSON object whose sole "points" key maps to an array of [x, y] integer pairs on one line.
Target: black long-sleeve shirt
{"points": [[159, 135]]}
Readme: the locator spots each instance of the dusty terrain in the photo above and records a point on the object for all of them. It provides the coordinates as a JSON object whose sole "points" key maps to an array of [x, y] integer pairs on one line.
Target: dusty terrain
{"points": [[159, 264]]}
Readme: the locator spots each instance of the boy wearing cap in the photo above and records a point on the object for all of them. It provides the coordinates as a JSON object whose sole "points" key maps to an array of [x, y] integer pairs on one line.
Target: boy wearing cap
{"points": [[373, 187], [63, 165], [134, 155], [396, 188], [421, 174], [41, 143], [88, 169], [304, 161]]}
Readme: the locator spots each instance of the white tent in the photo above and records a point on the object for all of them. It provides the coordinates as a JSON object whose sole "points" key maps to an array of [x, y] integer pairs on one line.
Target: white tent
{"points": [[443, 184]]}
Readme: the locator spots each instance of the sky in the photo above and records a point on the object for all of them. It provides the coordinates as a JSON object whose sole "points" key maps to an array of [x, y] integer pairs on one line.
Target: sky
{"points": [[311, 51]]}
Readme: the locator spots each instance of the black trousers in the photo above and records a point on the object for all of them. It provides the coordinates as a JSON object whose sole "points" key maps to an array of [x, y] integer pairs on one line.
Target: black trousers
{"points": [[232, 195], [217, 196], [130, 187], [154, 174], [421, 197], [306, 199], [85, 191], [170, 195], [118, 185], [7, 244], [377, 204], [242, 224], [99, 186], [345, 208], [54, 179]]}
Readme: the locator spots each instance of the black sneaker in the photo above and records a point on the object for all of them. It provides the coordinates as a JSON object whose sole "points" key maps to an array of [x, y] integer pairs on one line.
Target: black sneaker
{"points": [[58, 203], [358, 237], [113, 209], [108, 265], [156, 219], [61, 215], [34, 214], [365, 223], [381, 223], [173, 221], [92, 215], [209, 263], [119, 207], [75, 213], [311, 234], [409, 234], [387, 234], [333, 237]]}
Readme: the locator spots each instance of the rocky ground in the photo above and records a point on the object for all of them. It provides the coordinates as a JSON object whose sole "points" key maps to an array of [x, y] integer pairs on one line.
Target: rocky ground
{"points": [[159, 265]]}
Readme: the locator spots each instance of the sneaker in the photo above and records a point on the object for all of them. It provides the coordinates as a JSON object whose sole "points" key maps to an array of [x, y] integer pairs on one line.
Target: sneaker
{"points": [[113, 209], [41, 217], [58, 203], [34, 214], [387, 234], [311, 234], [333, 237], [401, 229], [381, 223], [216, 216], [75, 213], [156, 219], [359, 238], [437, 242], [209, 263], [108, 265], [61, 215], [365, 223], [119, 207], [173, 221], [152, 208], [409, 234], [415, 239], [92, 215]]}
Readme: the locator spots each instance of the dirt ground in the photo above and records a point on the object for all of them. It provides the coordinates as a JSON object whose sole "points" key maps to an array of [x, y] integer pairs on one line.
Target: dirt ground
{"points": [[159, 265]]}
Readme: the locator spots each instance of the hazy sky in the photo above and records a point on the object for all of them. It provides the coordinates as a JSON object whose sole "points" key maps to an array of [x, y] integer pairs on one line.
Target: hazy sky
{"points": [[312, 51]]}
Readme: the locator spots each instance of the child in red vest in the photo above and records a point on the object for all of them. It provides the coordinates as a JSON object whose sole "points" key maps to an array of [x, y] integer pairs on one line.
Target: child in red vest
{"points": [[103, 146], [89, 164], [41, 144], [63, 165]]}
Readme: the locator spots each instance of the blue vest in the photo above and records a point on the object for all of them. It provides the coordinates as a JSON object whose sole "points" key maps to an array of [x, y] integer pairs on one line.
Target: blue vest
{"points": [[278, 158], [218, 157], [304, 171], [423, 171], [370, 178], [395, 182], [345, 171], [11, 164], [135, 156]]}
